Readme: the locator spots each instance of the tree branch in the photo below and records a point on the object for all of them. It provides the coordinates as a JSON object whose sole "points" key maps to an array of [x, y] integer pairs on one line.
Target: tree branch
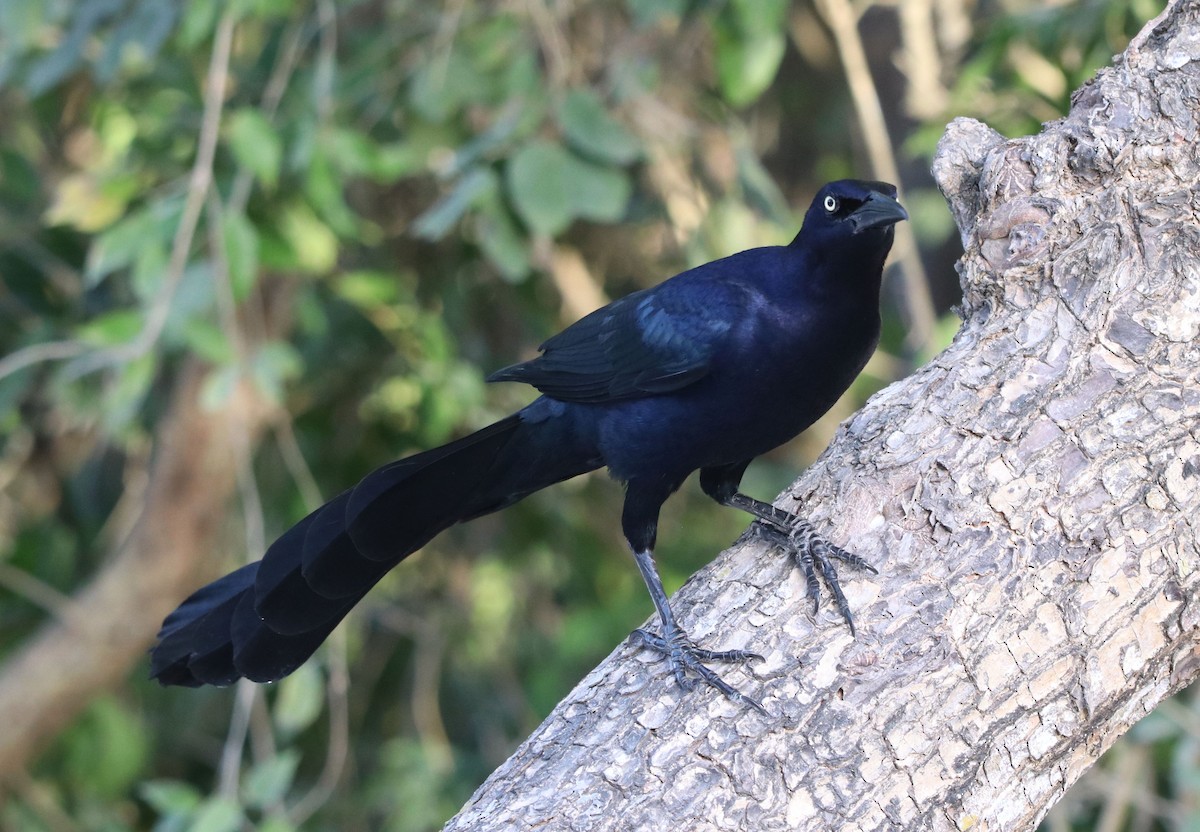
{"points": [[105, 627], [1030, 497]]}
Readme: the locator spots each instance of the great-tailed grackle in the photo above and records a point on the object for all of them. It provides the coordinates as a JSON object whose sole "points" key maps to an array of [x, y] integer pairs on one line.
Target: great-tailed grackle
{"points": [[705, 371]]}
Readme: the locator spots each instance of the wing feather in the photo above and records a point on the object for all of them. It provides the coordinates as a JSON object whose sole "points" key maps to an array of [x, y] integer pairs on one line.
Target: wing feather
{"points": [[648, 343]]}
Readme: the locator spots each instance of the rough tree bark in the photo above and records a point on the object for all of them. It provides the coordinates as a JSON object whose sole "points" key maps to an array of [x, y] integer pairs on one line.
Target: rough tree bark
{"points": [[1031, 498]]}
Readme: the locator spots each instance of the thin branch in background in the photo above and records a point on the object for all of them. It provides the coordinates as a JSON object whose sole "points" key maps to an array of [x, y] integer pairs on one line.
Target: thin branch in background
{"points": [[199, 183], [229, 773], [293, 460], [1130, 764], [953, 28], [920, 60], [39, 353], [427, 712], [326, 61], [579, 289], [842, 20], [42, 800], [34, 590], [248, 712], [553, 45], [429, 643], [256, 538], [277, 84], [443, 41], [338, 750]]}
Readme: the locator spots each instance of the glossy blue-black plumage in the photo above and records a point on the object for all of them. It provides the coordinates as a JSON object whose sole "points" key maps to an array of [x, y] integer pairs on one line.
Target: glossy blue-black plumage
{"points": [[705, 371]]}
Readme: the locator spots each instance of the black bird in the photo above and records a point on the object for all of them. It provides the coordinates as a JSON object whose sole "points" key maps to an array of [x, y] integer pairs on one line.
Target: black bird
{"points": [[703, 372]]}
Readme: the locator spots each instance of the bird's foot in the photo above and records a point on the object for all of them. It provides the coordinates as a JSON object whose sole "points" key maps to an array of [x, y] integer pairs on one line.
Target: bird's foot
{"points": [[682, 655], [813, 554]]}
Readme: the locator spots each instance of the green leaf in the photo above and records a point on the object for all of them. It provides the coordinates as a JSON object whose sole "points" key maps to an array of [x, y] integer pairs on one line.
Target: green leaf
{"points": [[600, 193], [746, 66], [117, 246], [313, 246], [441, 87], [300, 700], [268, 781], [169, 797], [538, 182], [550, 187], [122, 399], [273, 365], [323, 186], [117, 327], [218, 387], [436, 222], [591, 130], [750, 42], [149, 268], [241, 253], [368, 290], [208, 341], [217, 814], [255, 144], [105, 749], [199, 20], [275, 823], [502, 242]]}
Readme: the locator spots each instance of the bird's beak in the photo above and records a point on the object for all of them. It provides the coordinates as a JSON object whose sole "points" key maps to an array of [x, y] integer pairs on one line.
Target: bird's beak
{"points": [[879, 210]]}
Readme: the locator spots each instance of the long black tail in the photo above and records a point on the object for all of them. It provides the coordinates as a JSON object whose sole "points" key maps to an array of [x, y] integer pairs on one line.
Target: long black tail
{"points": [[265, 619]]}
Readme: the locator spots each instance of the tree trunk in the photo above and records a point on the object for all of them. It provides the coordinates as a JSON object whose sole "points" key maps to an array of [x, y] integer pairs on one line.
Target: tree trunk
{"points": [[1030, 497]]}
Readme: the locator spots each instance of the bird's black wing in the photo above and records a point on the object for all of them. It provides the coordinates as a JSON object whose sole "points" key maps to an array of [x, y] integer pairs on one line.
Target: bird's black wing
{"points": [[650, 342]]}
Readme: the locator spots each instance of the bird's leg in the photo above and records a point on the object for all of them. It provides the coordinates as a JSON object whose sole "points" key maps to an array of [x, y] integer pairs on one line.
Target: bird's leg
{"points": [[812, 552], [682, 654]]}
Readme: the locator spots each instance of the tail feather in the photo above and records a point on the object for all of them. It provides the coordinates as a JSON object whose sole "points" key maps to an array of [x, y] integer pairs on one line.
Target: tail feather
{"points": [[194, 645], [399, 508], [267, 618]]}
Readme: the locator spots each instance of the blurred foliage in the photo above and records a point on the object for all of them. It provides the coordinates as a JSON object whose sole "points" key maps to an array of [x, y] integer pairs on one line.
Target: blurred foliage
{"points": [[405, 178]]}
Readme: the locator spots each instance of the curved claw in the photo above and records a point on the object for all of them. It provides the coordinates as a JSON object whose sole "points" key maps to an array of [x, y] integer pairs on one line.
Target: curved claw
{"points": [[682, 655], [814, 553]]}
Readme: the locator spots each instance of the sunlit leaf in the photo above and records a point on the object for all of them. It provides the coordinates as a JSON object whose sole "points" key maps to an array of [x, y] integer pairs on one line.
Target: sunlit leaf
{"points": [[367, 289], [312, 245], [89, 202]]}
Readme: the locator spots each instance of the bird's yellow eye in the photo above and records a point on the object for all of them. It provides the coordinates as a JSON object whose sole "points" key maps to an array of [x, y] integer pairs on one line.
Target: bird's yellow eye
{"points": [[831, 204]]}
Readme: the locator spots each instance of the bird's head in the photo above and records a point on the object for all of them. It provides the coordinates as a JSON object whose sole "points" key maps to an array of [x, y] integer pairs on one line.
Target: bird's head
{"points": [[854, 212]]}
